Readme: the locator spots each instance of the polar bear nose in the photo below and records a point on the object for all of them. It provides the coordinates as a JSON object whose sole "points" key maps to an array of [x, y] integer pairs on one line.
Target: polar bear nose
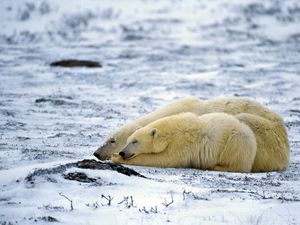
{"points": [[97, 155], [126, 155], [122, 154]]}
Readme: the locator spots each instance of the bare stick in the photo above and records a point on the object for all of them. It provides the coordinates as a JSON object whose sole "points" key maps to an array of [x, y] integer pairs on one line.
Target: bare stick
{"points": [[128, 201], [166, 204], [124, 200], [144, 210], [108, 198], [131, 201], [184, 193], [95, 205], [152, 210], [70, 200]]}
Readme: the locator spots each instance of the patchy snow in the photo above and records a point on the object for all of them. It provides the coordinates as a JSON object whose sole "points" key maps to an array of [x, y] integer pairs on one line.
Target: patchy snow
{"points": [[151, 52]]}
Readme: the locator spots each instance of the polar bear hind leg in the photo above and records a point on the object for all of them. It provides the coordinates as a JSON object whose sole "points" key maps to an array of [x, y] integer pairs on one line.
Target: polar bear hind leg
{"points": [[239, 152], [272, 143]]}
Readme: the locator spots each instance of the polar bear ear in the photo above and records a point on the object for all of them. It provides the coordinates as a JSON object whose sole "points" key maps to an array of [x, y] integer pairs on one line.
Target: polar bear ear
{"points": [[154, 132]]}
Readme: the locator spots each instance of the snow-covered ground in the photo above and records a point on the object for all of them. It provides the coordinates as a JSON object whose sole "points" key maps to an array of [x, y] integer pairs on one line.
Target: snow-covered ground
{"points": [[151, 52]]}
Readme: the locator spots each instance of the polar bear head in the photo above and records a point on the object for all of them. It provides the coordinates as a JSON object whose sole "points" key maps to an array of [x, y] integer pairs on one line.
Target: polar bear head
{"points": [[116, 141], [162, 134], [148, 139]]}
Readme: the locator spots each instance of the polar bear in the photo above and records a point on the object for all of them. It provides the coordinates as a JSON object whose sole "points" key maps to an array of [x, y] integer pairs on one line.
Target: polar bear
{"points": [[117, 140], [233, 106], [214, 141]]}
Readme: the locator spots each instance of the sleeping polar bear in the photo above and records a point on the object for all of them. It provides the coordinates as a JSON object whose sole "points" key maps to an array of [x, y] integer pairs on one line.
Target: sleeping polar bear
{"points": [[214, 141], [250, 112]]}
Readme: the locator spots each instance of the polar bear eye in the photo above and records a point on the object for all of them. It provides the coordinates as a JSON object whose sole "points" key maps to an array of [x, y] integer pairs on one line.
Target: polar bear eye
{"points": [[112, 141], [134, 141]]}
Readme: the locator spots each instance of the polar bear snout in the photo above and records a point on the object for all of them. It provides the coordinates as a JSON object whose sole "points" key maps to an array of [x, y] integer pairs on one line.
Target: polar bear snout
{"points": [[101, 156], [126, 154], [104, 152], [97, 155]]}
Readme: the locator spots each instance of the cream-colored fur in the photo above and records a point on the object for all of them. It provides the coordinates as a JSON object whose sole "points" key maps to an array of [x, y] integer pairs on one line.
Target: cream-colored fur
{"points": [[117, 140], [231, 106], [215, 141], [272, 143]]}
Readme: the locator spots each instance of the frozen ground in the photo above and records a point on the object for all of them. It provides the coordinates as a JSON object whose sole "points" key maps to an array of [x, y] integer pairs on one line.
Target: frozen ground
{"points": [[151, 52]]}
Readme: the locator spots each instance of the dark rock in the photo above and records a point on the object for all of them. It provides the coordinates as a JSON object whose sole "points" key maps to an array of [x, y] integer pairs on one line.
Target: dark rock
{"points": [[93, 164], [78, 176], [76, 63], [40, 172], [84, 164], [23, 138], [295, 110], [48, 219], [57, 102]]}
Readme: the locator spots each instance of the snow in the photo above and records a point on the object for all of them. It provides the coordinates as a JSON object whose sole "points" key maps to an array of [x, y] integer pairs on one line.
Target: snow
{"points": [[152, 52], [198, 205]]}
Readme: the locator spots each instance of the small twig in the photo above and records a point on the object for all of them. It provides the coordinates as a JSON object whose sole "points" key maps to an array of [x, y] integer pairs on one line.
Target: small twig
{"points": [[131, 201], [151, 210], [154, 210], [124, 200], [108, 198], [95, 205], [166, 204], [144, 210], [128, 201], [70, 200], [184, 193]]}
